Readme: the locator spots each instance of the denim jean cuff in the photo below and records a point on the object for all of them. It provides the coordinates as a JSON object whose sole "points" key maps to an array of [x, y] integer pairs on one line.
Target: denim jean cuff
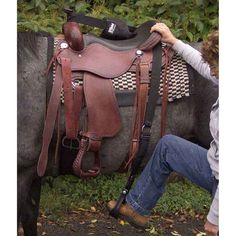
{"points": [[136, 207]]}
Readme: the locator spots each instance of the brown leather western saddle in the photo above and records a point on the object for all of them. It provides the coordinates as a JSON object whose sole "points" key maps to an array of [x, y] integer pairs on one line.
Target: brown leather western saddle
{"points": [[96, 61]]}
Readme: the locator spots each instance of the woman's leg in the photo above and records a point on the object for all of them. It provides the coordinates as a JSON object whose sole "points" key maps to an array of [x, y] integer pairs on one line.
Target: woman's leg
{"points": [[171, 154]]}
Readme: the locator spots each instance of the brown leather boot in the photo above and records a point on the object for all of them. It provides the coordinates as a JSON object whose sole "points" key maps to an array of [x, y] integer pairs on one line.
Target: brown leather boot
{"points": [[128, 214]]}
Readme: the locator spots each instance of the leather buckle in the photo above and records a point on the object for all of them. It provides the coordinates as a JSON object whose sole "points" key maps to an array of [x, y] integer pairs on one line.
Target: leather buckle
{"points": [[72, 144]]}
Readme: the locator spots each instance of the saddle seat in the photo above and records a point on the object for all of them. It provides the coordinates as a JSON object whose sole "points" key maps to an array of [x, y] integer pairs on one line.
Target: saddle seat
{"points": [[142, 33]]}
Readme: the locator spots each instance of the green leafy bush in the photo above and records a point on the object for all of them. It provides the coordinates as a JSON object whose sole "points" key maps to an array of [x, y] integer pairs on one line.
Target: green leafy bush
{"points": [[190, 20]]}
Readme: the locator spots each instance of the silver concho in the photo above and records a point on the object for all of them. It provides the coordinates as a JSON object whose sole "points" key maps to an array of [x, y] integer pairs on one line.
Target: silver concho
{"points": [[64, 45], [139, 52]]}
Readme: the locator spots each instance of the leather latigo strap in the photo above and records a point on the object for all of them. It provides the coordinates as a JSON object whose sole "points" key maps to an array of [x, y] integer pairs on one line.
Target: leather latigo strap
{"points": [[142, 86], [50, 120], [168, 55], [72, 101], [73, 104], [78, 101], [68, 96], [103, 121], [142, 89]]}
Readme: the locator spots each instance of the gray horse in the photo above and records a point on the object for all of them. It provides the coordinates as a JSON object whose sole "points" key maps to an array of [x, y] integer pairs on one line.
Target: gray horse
{"points": [[187, 117]]}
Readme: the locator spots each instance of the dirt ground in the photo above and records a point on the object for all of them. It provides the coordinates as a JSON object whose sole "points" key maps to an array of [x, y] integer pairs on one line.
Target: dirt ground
{"points": [[99, 223]]}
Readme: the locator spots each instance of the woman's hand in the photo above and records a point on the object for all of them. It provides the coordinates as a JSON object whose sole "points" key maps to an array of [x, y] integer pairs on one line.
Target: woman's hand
{"points": [[210, 229], [167, 36]]}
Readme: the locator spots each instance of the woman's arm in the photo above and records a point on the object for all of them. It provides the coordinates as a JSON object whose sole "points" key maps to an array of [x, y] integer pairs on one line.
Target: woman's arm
{"points": [[194, 58], [188, 53]]}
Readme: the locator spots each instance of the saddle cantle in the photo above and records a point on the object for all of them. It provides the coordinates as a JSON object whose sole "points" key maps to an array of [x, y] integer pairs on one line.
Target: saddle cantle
{"points": [[98, 60]]}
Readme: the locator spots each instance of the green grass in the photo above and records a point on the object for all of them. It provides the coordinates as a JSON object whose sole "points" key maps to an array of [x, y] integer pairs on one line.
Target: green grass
{"points": [[182, 197], [66, 193]]}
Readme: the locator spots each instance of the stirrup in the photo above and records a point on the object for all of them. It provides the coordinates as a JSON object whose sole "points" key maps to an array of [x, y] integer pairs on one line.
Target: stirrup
{"points": [[115, 211]]}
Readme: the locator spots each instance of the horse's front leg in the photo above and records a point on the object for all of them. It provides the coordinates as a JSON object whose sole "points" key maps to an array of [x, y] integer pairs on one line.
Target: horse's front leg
{"points": [[28, 204]]}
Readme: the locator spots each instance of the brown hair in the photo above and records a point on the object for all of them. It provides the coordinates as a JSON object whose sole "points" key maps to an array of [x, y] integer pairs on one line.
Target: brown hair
{"points": [[210, 48]]}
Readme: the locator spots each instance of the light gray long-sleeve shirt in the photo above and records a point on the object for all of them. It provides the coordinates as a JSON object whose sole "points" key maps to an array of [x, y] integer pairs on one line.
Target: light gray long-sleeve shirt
{"points": [[194, 58]]}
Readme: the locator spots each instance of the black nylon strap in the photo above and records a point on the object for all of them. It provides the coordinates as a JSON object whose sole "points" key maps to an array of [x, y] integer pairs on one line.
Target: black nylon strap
{"points": [[145, 135], [155, 83], [89, 20]]}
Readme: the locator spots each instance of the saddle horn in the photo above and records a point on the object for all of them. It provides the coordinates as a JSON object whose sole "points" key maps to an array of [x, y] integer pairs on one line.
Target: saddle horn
{"points": [[73, 35]]}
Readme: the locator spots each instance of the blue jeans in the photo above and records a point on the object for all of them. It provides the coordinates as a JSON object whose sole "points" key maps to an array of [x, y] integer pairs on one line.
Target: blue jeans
{"points": [[172, 153]]}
